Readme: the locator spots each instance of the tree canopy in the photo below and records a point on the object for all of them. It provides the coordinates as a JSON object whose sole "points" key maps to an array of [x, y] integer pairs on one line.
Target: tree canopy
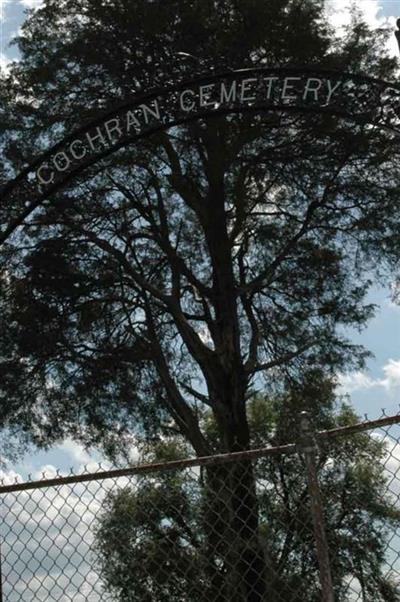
{"points": [[206, 262], [157, 537], [218, 258]]}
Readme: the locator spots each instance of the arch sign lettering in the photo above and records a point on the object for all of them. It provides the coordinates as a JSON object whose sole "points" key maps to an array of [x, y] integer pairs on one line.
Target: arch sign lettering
{"points": [[358, 98]]}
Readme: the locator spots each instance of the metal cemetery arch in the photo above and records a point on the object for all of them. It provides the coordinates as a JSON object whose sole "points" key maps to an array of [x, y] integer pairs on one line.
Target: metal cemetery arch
{"points": [[358, 98]]}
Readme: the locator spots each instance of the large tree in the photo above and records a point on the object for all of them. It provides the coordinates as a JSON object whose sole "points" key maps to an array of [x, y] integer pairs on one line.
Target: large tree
{"points": [[207, 261], [157, 538]]}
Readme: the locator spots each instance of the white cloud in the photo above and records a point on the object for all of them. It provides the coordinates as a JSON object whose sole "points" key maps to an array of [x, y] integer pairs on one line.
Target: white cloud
{"points": [[338, 14], [3, 4], [47, 471], [31, 3], [394, 299], [77, 452], [358, 381], [354, 381], [47, 537], [10, 477], [4, 62], [391, 370]]}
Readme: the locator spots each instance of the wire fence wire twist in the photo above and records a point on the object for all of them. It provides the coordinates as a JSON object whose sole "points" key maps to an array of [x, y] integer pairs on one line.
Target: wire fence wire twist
{"points": [[307, 521]]}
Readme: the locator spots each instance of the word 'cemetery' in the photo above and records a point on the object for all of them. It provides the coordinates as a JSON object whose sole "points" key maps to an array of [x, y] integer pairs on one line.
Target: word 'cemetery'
{"points": [[263, 90]]}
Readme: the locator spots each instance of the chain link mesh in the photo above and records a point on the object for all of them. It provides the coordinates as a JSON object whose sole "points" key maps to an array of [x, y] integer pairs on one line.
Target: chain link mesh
{"points": [[234, 528]]}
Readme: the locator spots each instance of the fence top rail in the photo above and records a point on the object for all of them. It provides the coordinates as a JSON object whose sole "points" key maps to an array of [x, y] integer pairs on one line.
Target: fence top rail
{"points": [[252, 454], [368, 425]]}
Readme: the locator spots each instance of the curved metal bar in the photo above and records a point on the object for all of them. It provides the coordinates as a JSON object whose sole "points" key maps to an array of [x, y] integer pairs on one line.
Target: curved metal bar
{"points": [[358, 98]]}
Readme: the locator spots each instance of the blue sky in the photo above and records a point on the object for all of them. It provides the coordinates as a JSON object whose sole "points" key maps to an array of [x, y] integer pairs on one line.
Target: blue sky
{"points": [[376, 388]]}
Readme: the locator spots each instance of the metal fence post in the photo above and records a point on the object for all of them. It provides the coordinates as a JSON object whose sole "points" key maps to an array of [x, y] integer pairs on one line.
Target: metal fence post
{"points": [[1, 564], [1, 579], [308, 447]]}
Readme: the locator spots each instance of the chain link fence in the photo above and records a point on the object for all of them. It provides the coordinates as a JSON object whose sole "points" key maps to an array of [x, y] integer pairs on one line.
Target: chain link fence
{"points": [[318, 519]]}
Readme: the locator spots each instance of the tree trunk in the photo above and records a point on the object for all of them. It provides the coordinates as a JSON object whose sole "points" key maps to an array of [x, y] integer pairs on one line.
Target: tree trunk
{"points": [[232, 515], [232, 525]]}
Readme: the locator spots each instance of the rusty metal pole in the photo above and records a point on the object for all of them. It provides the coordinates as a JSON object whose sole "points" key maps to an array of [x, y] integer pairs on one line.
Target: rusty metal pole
{"points": [[1, 573], [1, 553], [1, 579], [308, 448]]}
